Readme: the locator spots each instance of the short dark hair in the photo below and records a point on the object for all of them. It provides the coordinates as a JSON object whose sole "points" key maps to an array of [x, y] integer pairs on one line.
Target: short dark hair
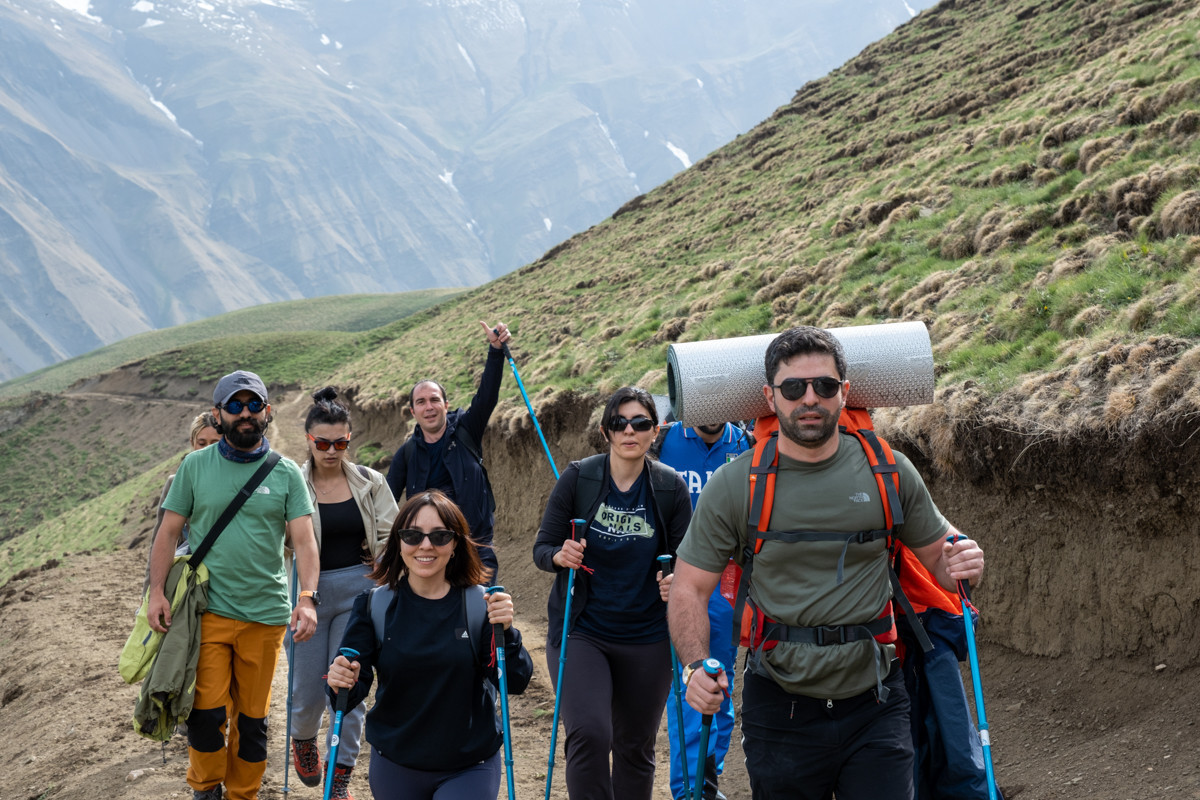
{"points": [[326, 410], [413, 390], [624, 395], [804, 340], [465, 569]]}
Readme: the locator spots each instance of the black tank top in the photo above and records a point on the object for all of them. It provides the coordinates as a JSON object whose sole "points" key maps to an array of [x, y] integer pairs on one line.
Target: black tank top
{"points": [[343, 537]]}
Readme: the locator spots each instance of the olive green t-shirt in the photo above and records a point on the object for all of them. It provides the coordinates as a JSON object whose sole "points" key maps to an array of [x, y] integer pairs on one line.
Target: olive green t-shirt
{"points": [[796, 583], [247, 580]]}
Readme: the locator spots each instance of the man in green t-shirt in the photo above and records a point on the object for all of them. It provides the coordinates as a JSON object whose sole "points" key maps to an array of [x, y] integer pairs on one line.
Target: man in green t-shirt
{"points": [[248, 609], [817, 718]]}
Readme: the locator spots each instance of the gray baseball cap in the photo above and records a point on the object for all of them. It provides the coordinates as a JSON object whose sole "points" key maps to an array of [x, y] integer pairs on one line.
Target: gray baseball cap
{"points": [[235, 382]]}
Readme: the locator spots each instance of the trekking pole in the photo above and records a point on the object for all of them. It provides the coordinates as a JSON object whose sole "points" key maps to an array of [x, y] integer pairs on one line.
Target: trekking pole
{"points": [[287, 736], [576, 525], [664, 562], [712, 668], [343, 698], [513, 364], [985, 738], [498, 638]]}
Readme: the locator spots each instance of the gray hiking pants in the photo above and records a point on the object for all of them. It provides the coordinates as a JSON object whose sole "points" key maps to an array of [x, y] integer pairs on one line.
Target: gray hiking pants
{"points": [[338, 588]]}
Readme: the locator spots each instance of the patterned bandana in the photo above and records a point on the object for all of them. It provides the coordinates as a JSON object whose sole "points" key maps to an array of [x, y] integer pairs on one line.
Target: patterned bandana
{"points": [[242, 456]]}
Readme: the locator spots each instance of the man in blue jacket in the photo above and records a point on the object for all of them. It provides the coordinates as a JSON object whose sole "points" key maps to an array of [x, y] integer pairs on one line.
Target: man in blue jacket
{"points": [[696, 453], [444, 450]]}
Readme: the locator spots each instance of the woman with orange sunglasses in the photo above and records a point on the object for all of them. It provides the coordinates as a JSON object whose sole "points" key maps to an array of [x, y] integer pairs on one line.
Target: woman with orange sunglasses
{"points": [[354, 510]]}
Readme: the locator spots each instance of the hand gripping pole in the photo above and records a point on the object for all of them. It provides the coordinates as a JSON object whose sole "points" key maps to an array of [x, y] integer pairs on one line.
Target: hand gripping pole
{"points": [[498, 639], [577, 526], [985, 739], [343, 699]]}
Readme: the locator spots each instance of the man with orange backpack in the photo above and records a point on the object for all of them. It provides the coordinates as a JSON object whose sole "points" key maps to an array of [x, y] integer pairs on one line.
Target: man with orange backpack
{"points": [[824, 708]]}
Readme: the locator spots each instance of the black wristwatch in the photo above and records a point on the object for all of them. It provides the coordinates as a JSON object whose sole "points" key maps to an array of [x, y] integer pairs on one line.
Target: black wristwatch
{"points": [[690, 668], [314, 595]]}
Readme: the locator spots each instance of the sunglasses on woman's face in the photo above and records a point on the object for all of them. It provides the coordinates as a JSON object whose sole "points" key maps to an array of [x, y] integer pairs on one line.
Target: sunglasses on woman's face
{"points": [[235, 406], [640, 424], [325, 444], [796, 388], [438, 538]]}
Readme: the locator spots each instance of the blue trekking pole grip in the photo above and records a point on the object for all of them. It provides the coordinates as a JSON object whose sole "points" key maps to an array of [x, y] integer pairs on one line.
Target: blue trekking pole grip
{"points": [[712, 668], [664, 562], [513, 365], [343, 699], [985, 738], [577, 526], [498, 638]]}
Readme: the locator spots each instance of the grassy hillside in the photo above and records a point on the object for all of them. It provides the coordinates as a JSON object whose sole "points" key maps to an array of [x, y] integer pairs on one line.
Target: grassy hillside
{"points": [[1023, 176], [349, 313], [83, 446]]}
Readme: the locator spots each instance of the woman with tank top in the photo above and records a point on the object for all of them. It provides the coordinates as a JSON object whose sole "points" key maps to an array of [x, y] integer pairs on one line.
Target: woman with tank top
{"points": [[352, 520]]}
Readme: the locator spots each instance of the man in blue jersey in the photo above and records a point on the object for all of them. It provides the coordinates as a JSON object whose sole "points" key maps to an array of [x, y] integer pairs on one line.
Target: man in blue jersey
{"points": [[696, 453]]}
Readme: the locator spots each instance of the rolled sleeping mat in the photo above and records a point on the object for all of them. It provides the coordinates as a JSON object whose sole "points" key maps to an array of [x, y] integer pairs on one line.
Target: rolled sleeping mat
{"points": [[721, 380]]}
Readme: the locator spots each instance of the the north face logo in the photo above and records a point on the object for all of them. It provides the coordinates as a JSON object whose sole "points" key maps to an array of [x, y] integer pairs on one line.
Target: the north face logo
{"points": [[860, 497]]}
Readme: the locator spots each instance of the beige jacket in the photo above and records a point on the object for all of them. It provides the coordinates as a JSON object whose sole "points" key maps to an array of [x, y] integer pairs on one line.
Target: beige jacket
{"points": [[375, 502]]}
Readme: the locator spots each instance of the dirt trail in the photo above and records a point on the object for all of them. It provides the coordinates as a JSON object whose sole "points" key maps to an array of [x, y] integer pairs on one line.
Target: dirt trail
{"points": [[1106, 716]]}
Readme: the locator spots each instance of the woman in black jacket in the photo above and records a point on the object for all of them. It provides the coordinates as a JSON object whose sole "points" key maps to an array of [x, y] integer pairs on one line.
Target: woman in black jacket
{"points": [[618, 668], [433, 726]]}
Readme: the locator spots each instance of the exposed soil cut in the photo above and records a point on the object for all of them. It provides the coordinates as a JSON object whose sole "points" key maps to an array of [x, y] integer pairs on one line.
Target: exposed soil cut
{"points": [[1088, 645]]}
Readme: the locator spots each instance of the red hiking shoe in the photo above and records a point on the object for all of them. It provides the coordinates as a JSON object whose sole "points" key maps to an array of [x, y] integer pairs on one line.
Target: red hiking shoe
{"points": [[341, 783], [308, 761]]}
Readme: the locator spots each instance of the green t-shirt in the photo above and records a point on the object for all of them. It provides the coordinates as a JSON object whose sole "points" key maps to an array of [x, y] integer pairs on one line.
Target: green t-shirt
{"points": [[247, 580], [796, 583]]}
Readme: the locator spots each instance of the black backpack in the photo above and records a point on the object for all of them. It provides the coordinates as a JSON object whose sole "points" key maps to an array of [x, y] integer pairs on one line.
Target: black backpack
{"points": [[381, 598], [591, 486]]}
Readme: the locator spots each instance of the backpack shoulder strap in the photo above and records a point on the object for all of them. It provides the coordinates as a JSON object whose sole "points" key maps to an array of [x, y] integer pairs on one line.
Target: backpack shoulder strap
{"points": [[377, 604], [657, 445], [589, 486], [406, 452], [662, 481], [762, 495], [887, 477], [468, 441], [476, 610]]}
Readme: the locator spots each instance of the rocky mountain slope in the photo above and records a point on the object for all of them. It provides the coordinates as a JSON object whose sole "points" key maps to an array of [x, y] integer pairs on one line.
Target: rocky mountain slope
{"points": [[165, 161]]}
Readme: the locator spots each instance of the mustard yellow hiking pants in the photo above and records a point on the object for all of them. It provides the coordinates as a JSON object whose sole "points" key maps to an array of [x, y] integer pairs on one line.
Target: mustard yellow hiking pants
{"points": [[233, 683]]}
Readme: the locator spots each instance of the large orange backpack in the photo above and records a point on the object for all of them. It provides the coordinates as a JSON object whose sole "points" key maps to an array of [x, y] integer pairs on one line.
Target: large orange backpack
{"points": [[913, 588]]}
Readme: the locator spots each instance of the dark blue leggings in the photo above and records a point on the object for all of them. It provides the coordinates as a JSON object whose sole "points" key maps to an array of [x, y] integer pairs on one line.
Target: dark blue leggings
{"points": [[390, 781]]}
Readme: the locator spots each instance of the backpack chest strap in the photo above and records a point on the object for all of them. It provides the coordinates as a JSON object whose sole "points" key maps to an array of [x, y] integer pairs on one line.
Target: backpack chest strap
{"points": [[791, 537]]}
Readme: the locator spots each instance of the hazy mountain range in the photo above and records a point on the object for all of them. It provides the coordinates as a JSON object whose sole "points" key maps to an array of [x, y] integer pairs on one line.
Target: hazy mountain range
{"points": [[165, 161]]}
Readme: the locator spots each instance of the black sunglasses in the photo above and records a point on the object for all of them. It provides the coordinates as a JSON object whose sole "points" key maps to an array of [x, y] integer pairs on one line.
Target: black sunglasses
{"points": [[639, 423], [325, 444], [236, 406], [438, 538], [796, 388]]}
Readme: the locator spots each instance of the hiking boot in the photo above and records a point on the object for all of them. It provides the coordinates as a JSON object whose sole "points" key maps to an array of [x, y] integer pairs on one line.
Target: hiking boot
{"points": [[308, 761], [207, 794], [341, 783]]}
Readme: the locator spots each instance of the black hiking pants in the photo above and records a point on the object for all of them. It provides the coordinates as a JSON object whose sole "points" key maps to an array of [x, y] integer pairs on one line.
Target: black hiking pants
{"points": [[802, 748]]}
